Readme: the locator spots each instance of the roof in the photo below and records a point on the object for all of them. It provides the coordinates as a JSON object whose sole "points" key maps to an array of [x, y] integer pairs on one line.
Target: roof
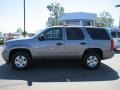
{"points": [[74, 26], [79, 16], [114, 29]]}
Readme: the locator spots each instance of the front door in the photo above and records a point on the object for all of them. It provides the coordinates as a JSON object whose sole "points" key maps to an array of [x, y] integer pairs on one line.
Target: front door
{"points": [[53, 44]]}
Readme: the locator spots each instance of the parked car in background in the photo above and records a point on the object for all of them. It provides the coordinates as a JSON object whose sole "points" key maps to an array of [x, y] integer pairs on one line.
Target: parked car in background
{"points": [[1, 38], [115, 33], [89, 44]]}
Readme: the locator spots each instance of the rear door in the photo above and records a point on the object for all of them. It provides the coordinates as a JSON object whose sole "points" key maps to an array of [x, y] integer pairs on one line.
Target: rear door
{"points": [[75, 42]]}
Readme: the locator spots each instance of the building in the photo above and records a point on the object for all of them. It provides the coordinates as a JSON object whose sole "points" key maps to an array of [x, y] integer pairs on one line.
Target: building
{"points": [[79, 18]]}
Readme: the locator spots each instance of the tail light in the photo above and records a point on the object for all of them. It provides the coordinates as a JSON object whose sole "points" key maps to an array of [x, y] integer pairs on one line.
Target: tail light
{"points": [[112, 45]]}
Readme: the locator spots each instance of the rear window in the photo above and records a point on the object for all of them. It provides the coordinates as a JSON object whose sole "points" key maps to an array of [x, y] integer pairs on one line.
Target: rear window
{"points": [[98, 34], [114, 35]]}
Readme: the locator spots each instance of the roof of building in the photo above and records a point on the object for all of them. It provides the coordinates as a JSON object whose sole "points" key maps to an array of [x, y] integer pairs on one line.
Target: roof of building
{"points": [[79, 16]]}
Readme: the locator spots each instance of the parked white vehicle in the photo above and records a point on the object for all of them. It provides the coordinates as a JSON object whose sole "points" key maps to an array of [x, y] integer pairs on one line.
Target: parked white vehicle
{"points": [[115, 33]]}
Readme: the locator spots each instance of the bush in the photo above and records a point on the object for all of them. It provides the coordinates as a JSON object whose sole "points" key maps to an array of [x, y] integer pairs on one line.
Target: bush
{"points": [[1, 42]]}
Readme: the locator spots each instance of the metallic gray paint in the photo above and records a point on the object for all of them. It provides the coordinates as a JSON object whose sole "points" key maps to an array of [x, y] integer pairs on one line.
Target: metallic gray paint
{"points": [[48, 48]]}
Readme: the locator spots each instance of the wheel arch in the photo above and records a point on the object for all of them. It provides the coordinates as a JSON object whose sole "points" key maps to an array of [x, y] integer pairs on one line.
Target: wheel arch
{"points": [[96, 50], [19, 50]]}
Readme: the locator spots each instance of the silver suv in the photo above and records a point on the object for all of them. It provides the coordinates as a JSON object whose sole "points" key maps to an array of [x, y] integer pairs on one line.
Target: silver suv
{"points": [[89, 44]]}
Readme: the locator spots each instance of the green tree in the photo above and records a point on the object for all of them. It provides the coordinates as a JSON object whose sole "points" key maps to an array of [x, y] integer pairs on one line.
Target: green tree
{"points": [[56, 11], [24, 33], [19, 30], [104, 20]]}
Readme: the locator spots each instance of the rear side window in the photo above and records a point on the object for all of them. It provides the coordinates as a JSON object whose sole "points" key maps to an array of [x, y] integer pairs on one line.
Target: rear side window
{"points": [[74, 34], [98, 34], [118, 34], [114, 34]]}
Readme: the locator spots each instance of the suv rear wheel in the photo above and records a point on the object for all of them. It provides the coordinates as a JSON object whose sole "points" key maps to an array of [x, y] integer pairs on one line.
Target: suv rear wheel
{"points": [[20, 60], [91, 60]]}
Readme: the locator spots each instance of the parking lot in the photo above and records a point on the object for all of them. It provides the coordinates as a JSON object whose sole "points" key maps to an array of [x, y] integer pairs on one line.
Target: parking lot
{"points": [[59, 75]]}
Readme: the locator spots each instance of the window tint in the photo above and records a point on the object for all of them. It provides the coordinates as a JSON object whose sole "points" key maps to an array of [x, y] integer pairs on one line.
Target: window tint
{"points": [[114, 35], [54, 34], [74, 34], [98, 34], [119, 34]]}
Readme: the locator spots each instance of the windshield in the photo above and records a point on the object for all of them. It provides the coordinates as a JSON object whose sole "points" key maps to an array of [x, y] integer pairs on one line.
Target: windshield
{"points": [[38, 32]]}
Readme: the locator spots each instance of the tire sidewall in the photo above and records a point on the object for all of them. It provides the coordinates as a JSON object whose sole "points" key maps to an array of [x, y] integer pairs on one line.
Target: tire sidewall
{"points": [[86, 56], [23, 54]]}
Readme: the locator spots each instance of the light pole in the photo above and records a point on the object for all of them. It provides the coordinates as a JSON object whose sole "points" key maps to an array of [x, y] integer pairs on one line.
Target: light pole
{"points": [[119, 17], [24, 20]]}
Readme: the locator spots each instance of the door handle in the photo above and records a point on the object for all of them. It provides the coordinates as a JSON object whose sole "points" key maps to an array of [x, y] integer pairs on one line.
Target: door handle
{"points": [[83, 43], [59, 43]]}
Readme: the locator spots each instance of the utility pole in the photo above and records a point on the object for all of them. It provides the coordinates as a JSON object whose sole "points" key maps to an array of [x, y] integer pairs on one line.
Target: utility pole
{"points": [[119, 16], [24, 20]]}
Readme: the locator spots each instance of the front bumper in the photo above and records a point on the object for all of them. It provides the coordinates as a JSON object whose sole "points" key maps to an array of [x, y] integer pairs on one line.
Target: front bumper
{"points": [[5, 55]]}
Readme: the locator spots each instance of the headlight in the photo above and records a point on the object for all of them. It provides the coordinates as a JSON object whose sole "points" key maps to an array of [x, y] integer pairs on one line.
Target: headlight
{"points": [[5, 45]]}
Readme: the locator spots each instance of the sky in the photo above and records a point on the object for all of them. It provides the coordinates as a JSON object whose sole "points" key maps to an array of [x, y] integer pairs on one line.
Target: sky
{"points": [[11, 12]]}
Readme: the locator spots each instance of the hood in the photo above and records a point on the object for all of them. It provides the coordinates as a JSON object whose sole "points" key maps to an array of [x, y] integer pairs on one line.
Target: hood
{"points": [[16, 42], [19, 39]]}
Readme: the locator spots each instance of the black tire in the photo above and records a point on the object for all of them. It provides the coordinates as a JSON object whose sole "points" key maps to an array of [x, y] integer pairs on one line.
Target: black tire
{"points": [[86, 60], [27, 59]]}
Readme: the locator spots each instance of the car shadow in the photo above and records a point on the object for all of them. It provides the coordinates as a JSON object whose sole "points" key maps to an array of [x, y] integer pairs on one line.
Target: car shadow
{"points": [[58, 71]]}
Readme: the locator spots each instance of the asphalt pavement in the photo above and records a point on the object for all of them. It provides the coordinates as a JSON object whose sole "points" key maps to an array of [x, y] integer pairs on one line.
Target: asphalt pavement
{"points": [[61, 75]]}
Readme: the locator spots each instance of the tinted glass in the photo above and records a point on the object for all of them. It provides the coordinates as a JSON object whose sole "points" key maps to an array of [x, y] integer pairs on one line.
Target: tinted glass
{"points": [[114, 35], [98, 34], [119, 34], [54, 34], [74, 34]]}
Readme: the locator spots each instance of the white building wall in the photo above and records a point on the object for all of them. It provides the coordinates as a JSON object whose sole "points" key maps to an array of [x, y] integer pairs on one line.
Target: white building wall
{"points": [[82, 18]]}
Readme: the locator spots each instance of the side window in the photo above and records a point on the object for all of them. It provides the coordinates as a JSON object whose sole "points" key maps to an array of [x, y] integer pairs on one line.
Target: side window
{"points": [[74, 34], [53, 34], [118, 34], [98, 33], [114, 34]]}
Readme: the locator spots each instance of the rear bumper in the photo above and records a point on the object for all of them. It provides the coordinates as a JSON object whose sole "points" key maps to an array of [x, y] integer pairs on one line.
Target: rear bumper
{"points": [[108, 54]]}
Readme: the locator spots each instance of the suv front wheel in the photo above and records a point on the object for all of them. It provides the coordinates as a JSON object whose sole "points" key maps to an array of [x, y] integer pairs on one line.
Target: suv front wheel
{"points": [[20, 60], [91, 60]]}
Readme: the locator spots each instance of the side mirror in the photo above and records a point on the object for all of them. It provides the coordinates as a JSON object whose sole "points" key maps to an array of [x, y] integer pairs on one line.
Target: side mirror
{"points": [[41, 37]]}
